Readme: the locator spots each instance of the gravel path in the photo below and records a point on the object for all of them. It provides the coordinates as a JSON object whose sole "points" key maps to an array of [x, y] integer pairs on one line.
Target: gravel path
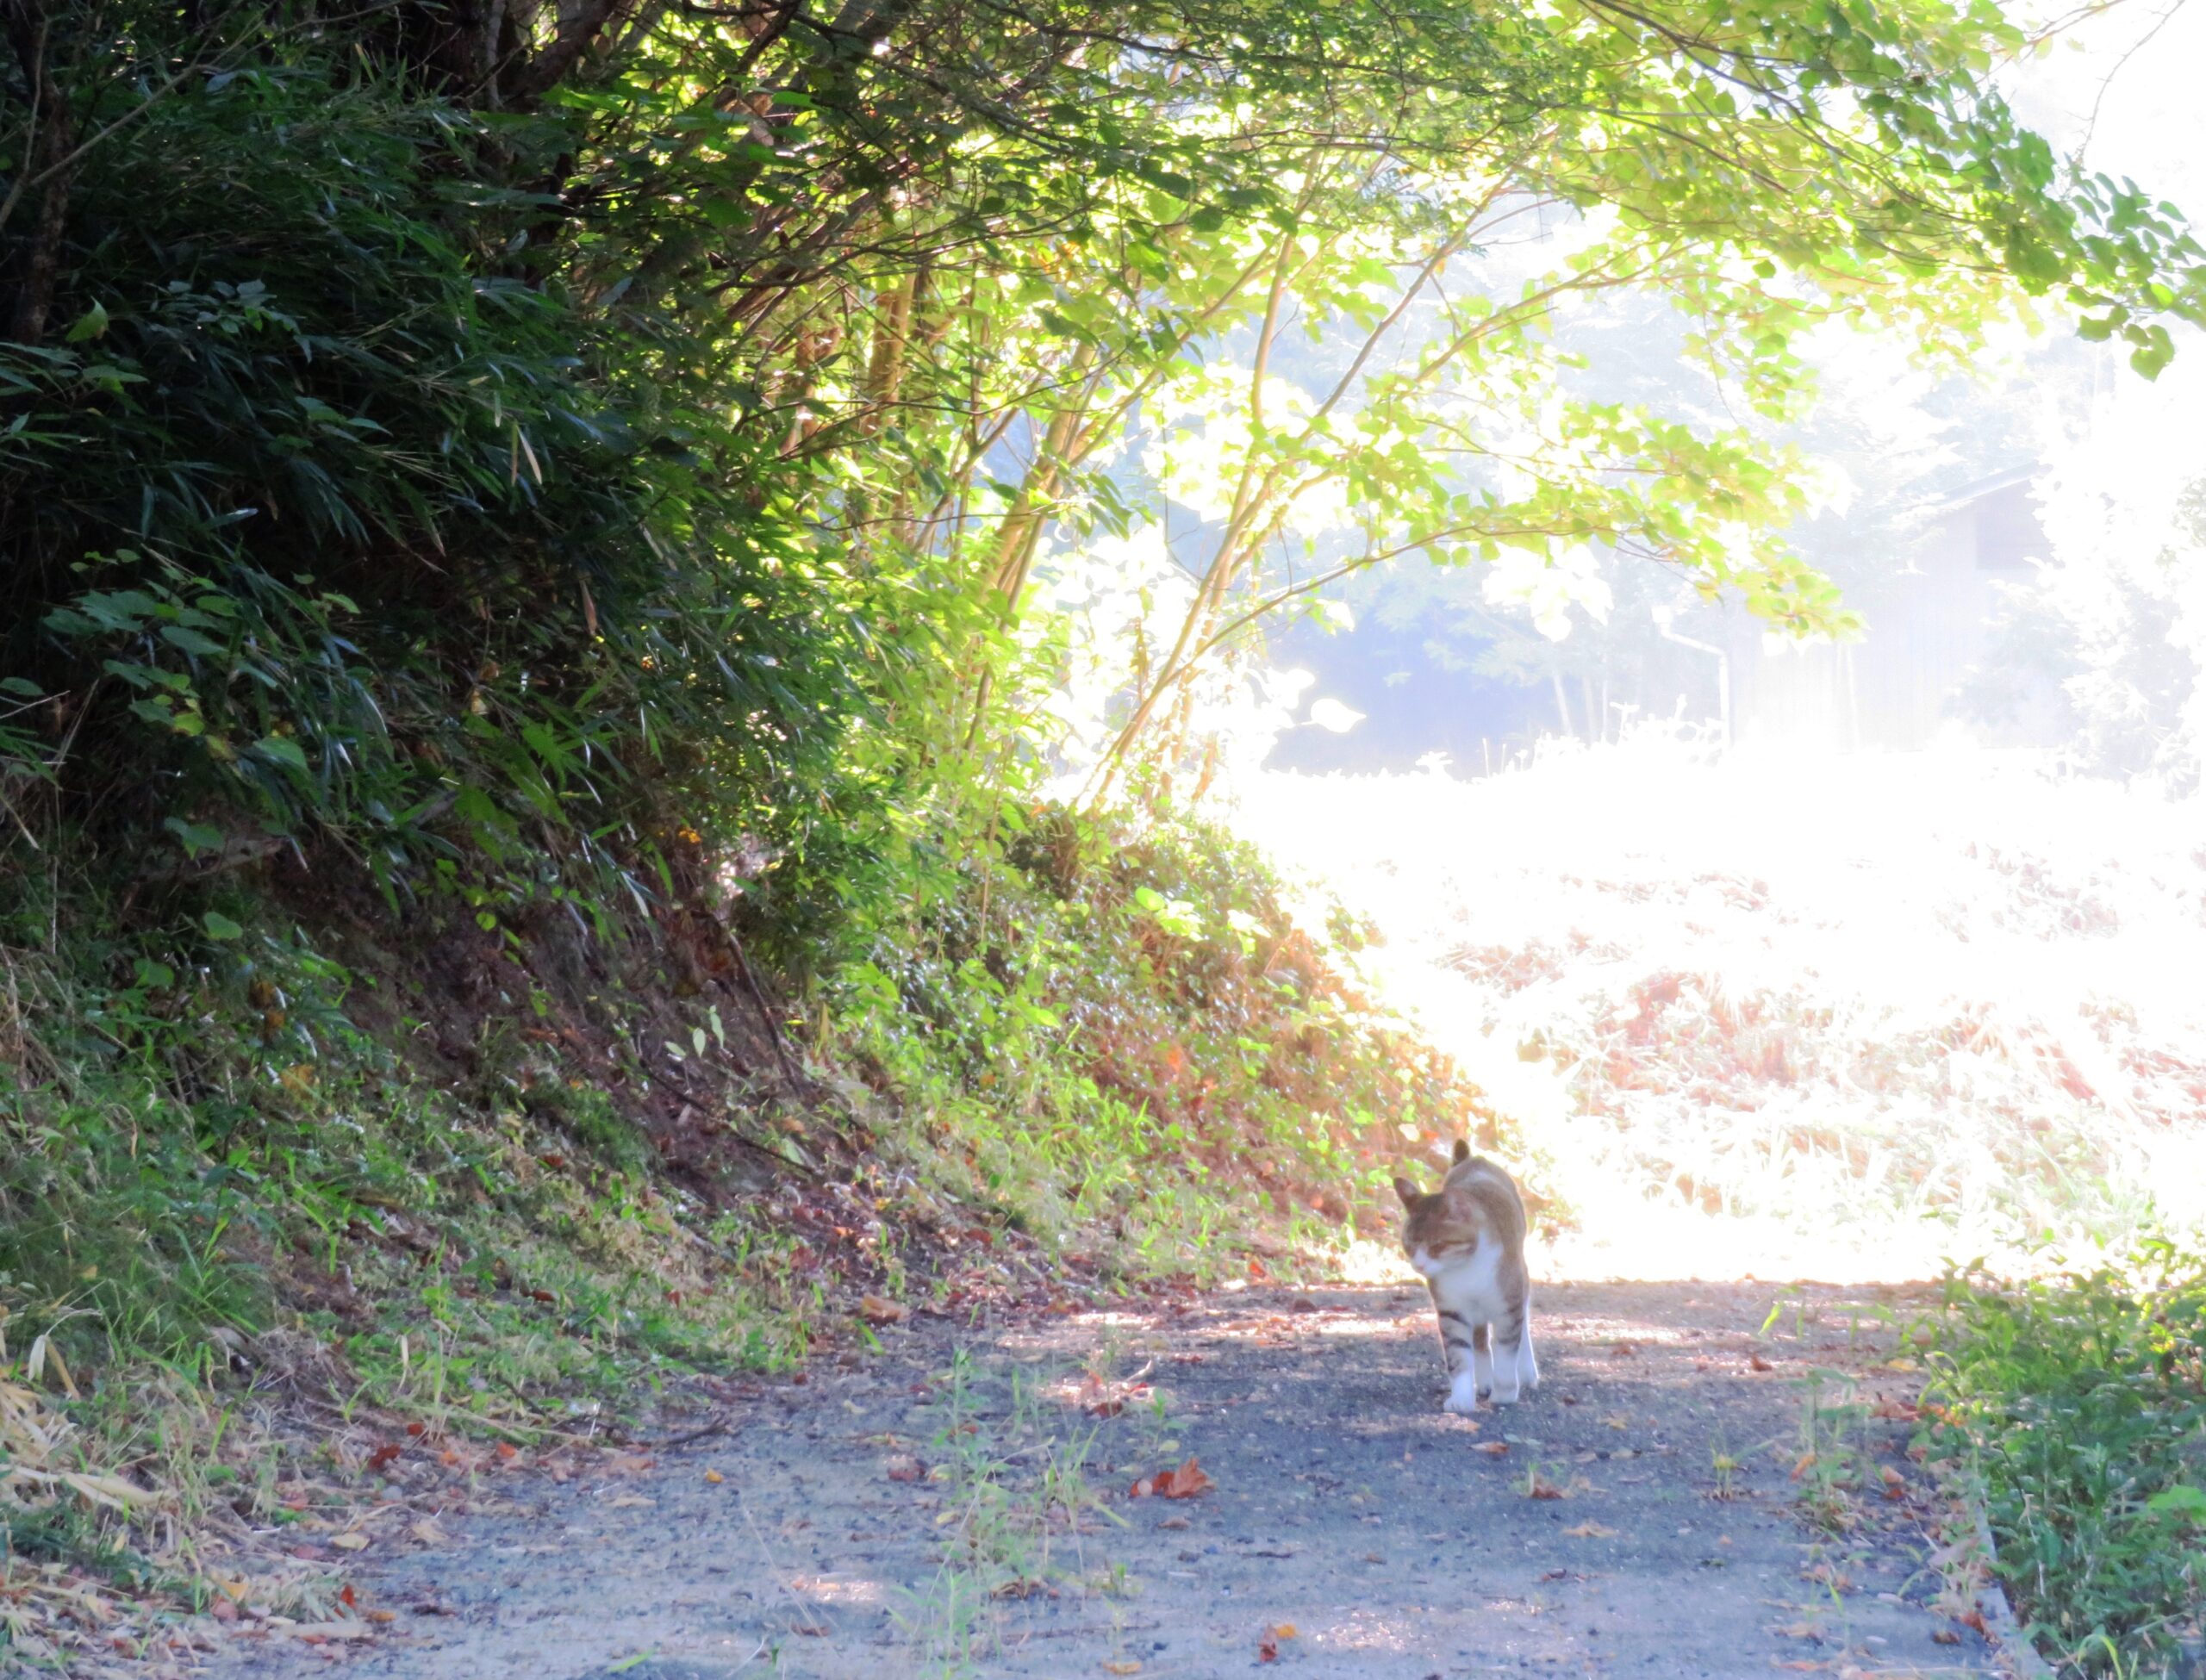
{"points": [[839, 1529]]}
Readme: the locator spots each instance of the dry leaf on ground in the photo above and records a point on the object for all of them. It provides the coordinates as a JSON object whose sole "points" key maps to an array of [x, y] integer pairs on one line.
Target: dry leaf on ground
{"points": [[1591, 1531], [1185, 1483]]}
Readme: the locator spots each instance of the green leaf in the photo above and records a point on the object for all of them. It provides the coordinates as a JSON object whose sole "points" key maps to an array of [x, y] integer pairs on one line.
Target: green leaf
{"points": [[220, 926], [282, 751], [194, 837], [92, 324], [2183, 1501]]}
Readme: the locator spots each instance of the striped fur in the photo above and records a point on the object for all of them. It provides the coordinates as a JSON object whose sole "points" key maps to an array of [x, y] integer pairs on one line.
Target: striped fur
{"points": [[1466, 1240]]}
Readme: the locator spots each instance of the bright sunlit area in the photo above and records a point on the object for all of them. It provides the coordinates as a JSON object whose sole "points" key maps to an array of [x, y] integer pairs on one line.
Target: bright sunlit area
{"points": [[1845, 953]]}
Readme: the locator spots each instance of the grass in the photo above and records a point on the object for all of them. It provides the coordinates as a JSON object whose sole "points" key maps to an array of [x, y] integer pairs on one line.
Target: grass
{"points": [[1133, 1049], [2075, 1405], [1017, 1508]]}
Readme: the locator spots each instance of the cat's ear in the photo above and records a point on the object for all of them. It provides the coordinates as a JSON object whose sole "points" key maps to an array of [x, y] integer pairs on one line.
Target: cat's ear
{"points": [[1406, 1191], [1462, 1150]]}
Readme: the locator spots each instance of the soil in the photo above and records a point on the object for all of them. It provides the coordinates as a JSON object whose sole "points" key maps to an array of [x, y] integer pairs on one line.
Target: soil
{"points": [[1353, 1529]]}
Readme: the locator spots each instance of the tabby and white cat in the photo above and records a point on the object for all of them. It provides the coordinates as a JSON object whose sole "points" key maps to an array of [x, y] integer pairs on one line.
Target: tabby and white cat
{"points": [[1466, 1242]]}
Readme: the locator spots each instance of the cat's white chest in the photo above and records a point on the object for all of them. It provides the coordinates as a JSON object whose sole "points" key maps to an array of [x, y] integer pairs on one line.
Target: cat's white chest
{"points": [[1472, 1285]]}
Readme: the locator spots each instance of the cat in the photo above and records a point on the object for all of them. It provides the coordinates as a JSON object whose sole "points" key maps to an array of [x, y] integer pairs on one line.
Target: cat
{"points": [[1466, 1242]]}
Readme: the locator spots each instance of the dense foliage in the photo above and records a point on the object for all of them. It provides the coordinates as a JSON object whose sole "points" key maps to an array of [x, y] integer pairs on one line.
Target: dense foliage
{"points": [[429, 426], [2077, 1407]]}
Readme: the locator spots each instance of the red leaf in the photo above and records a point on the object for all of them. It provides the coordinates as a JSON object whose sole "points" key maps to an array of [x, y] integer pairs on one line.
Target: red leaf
{"points": [[383, 1454], [1185, 1483]]}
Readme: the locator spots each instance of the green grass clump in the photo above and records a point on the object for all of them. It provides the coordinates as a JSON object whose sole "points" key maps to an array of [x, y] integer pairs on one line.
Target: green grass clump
{"points": [[2076, 1404], [1122, 1042]]}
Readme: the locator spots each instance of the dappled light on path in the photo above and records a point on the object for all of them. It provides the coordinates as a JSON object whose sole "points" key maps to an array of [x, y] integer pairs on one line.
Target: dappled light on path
{"points": [[985, 1501]]}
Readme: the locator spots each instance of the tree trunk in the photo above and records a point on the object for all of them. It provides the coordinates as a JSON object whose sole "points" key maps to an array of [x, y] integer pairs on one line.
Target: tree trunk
{"points": [[46, 153]]}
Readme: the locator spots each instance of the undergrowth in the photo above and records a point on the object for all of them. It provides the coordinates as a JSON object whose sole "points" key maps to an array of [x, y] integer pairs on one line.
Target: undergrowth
{"points": [[297, 1206], [2076, 1406], [1132, 1051]]}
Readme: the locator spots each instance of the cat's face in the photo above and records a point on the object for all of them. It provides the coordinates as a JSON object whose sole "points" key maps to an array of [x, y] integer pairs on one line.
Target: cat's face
{"points": [[1439, 1231]]}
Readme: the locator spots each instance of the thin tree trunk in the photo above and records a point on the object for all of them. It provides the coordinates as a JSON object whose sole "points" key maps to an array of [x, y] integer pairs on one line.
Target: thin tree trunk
{"points": [[46, 150]]}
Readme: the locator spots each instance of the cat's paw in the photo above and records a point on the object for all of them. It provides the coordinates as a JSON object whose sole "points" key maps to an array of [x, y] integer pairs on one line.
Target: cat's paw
{"points": [[1501, 1399], [1460, 1403]]}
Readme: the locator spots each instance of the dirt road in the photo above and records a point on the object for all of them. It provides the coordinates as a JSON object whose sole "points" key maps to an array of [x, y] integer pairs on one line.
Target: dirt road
{"points": [[957, 1505]]}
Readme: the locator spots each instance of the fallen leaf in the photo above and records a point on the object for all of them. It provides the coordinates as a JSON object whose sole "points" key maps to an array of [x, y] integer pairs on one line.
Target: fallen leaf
{"points": [[1895, 1483], [1755, 1362], [905, 1468], [1805, 1463], [1185, 1483], [353, 1542], [1122, 1668], [1174, 1522], [715, 1477], [1268, 1651], [1590, 1531], [631, 1501], [1946, 1636], [1897, 1410], [1493, 1449], [1284, 1631], [428, 1533], [1538, 1487], [1623, 1350], [875, 1310], [383, 1454]]}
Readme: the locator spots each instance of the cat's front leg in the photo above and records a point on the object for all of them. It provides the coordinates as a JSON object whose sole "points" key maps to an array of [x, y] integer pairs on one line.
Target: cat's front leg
{"points": [[1513, 1355], [1458, 1339], [1482, 1359]]}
